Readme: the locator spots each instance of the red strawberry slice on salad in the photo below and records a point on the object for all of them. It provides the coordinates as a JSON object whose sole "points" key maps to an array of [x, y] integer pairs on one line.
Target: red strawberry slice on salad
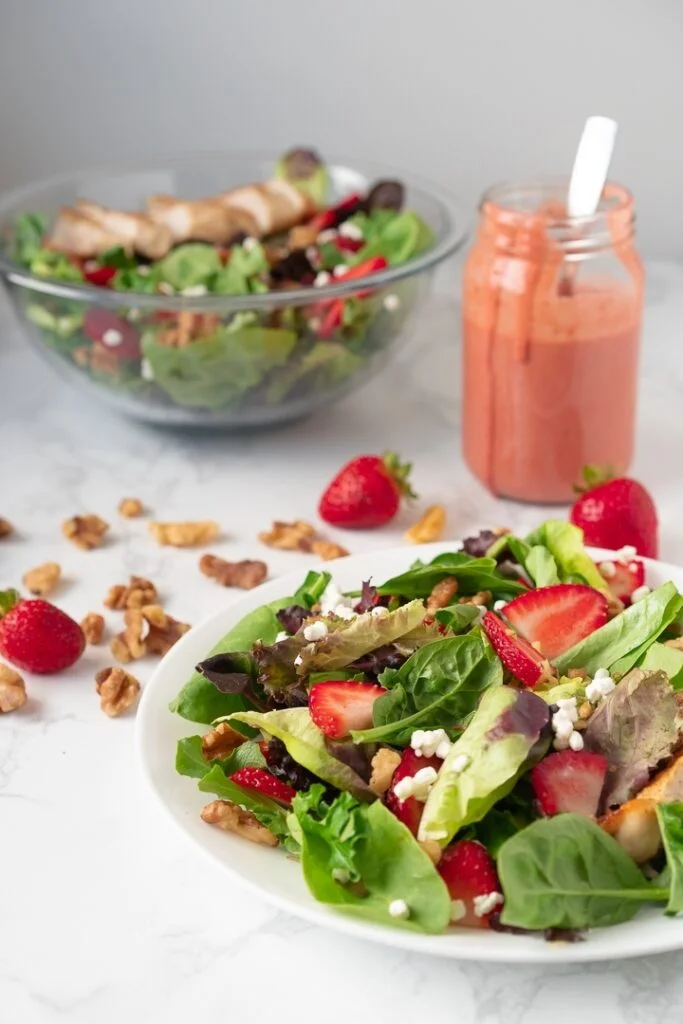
{"points": [[101, 276], [623, 578], [366, 492], [409, 811], [339, 706], [569, 782], [258, 780], [470, 876], [555, 618], [522, 660], [112, 332], [615, 513]]}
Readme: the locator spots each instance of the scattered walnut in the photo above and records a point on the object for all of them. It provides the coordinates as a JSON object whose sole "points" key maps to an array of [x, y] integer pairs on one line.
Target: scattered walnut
{"points": [[301, 236], [443, 593], [187, 327], [232, 818], [131, 508], [185, 535], [93, 628], [85, 532], [97, 357], [384, 764], [139, 591], [131, 644], [480, 598], [155, 615], [577, 673], [429, 526], [43, 579], [297, 536], [327, 550], [118, 690], [432, 849], [585, 710], [164, 630], [246, 574], [12, 690], [221, 741], [5, 527], [676, 644]]}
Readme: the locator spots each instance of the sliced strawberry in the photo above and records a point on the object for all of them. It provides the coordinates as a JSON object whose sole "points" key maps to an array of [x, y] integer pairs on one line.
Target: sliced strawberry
{"points": [[101, 276], [111, 331], [345, 244], [623, 577], [339, 706], [258, 780], [569, 782], [409, 811], [335, 215], [470, 875], [332, 318], [522, 660], [556, 618]]}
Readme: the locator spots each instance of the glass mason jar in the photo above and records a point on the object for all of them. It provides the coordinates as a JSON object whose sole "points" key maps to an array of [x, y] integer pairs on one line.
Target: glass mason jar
{"points": [[552, 310]]}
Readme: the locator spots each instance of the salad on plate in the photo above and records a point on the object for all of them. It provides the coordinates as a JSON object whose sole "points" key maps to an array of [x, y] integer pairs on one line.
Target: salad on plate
{"points": [[490, 739], [260, 239]]}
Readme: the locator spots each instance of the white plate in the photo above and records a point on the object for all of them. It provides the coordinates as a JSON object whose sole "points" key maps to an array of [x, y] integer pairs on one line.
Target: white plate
{"points": [[279, 879]]}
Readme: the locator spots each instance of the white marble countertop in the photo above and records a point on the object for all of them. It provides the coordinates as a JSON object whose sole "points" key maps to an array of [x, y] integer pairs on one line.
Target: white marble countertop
{"points": [[106, 914]]}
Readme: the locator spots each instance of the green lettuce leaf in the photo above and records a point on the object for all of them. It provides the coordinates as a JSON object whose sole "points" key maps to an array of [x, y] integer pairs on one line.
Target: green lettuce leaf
{"points": [[346, 842], [395, 236], [312, 588], [188, 265], [507, 732], [566, 872], [191, 761], [457, 617], [29, 231], [306, 744], [64, 325], [437, 687], [564, 542], [660, 658], [323, 366], [49, 263], [269, 812], [541, 566], [670, 819]]}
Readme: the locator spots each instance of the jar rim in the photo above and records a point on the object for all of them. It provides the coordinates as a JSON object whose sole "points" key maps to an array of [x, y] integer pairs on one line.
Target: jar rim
{"points": [[524, 200]]}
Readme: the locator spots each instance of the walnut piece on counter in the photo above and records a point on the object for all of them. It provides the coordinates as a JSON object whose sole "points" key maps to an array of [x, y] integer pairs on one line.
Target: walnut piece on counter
{"points": [[482, 597], [232, 818], [328, 550], [246, 574], [185, 535], [118, 690], [384, 764], [221, 741], [442, 594], [12, 690], [296, 536], [43, 579], [5, 527], [164, 630], [131, 644], [93, 628], [131, 508], [429, 527], [86, 532], [135, 594]]}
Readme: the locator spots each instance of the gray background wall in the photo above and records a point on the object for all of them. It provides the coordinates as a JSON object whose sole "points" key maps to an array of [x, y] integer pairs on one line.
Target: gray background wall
{"points": [[465, 91]]}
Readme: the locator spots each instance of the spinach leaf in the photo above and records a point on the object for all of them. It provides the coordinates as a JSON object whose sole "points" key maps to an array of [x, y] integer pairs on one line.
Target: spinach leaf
{"points": [[438, 686], [190, 760], [347, 842], [472, 574], [117, 257], [312, 588], [269, 812], [566, 872], [670, 819], [189, 265], [214, 372], [29, 230], [457, 617], [199, 700], [620, 642], [505, 820], [565, 543]]}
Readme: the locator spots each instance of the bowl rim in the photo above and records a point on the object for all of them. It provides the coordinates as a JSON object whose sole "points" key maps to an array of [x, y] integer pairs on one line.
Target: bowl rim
{"points": [[453, 238]]}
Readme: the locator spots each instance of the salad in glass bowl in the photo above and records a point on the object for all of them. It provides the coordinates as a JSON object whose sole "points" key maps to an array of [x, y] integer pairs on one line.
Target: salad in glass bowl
{"points": [[240, 291], [490, 739]]}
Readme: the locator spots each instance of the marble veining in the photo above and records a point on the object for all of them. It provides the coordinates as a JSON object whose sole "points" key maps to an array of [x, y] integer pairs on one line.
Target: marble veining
{"points": [[106, 914]]}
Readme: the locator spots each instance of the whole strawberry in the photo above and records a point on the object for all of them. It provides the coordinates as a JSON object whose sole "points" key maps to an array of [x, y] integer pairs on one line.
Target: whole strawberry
{"points": [[36, 636], [366, 492], [616, 513]]}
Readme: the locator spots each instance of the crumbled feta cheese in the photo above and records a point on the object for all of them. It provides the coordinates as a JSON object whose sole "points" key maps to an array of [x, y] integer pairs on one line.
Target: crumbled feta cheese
{"points": [[144, 270], [391, 303], [563, 725], [321, 279], [560, 743], [499, 605], [328, 235], [459, 763], [340, 270], [417, 785], [341, 876], [342, 611], [458, 910], [427, 742], [282, 635], [298, 660], [316, 631], [483, 905], [639, 593], [379, 611], [146, 371], [332, 599], [312, 254], [249, 243], [599, 688], [607, 569], [568, 707], [349, 230], [112, 338], [399, 908], [627, 553], [576, 741], [194, 289], [602, 673]]}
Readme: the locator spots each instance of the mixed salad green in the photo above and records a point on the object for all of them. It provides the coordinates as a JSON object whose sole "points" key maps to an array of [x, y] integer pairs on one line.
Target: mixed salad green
{"points": [[265, 356], [388, 739]]}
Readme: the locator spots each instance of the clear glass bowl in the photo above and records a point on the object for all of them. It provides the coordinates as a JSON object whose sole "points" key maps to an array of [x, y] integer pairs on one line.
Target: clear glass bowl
{"points": [[252, 376]]}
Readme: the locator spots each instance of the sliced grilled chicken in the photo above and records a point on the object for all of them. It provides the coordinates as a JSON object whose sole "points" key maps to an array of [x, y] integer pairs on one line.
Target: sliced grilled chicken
{"points": [[76, 233], [271, 207], [634, 824], [133, 231], [198, 220]]}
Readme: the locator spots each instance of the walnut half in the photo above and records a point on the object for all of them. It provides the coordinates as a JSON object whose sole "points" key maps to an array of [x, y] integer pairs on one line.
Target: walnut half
{"points": [[131, 508], [384, 764], [328, 549], [118, 690], [86, 532], [185, 535], [5, 527], [93, 628], [246, 574], [12, 690], [221, 741], [43, 579], [137, 592], [297, 536], [232, 818], [442, 594], [429, 527]]}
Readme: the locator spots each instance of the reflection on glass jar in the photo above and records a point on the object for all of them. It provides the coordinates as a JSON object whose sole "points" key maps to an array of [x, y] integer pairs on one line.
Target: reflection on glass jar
{"points": [[552, 310]]}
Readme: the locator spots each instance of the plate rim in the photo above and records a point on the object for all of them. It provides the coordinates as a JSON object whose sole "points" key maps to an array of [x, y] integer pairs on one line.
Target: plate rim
{"points": [[464, 945]]}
